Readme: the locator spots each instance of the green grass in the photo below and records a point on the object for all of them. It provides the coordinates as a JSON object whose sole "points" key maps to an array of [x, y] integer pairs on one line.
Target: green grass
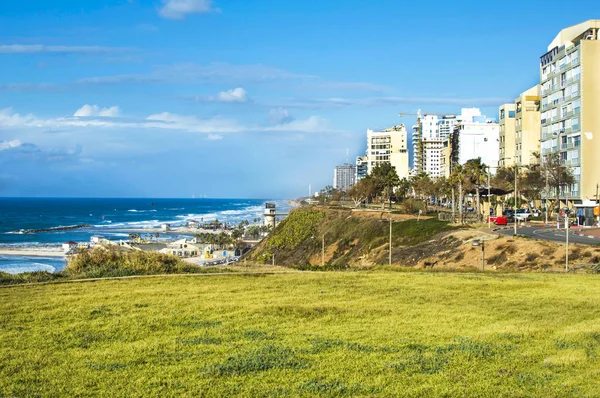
{"points": [[376, 333]]}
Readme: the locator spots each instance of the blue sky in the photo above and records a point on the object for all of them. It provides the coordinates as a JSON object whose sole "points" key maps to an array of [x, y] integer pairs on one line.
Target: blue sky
{"points": [[232, 98]]}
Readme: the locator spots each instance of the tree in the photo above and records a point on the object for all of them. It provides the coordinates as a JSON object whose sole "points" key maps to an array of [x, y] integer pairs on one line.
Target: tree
{"points": [[476, 173], [422, 186], [362, 190], [402, 189], [386, 179], [457, 179], [559, 175]]}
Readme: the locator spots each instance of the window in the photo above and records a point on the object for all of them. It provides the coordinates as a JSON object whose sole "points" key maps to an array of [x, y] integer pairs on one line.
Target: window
{"points": [[511, 114]]}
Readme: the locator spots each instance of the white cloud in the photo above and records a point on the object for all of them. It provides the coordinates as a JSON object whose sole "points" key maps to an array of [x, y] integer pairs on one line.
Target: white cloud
{"points": [[280, 116], [40, 48], [235, 95], [313, 124], [214, 137], [162, 121], [95, 110], [9, 144], [178, 9], [173, 121]]}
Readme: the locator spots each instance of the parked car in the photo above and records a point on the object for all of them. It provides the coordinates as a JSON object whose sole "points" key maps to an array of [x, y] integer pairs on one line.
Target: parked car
{"points": [[522, 214]]}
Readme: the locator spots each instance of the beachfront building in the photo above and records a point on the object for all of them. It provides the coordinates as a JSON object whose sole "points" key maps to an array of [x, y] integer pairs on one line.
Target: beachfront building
{"points": [[182, 248], [507, 125], [432, 156], [570, 100], [193, 224], [69, 247], [165, 227], [477, 137], [527, 127], [429, 136], [362, 168], [389, 145], [344, 176]]}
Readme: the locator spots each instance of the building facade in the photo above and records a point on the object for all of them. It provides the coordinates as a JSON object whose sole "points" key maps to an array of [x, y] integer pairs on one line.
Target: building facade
{"points": [[507, 125], [344, 176], [527, 127], [389, 145], [362, 168], [478, 137], [570, 104]]}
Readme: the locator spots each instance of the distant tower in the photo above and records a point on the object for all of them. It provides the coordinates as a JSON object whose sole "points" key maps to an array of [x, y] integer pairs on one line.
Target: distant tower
{"points": [[309, 190], [270, 215]]}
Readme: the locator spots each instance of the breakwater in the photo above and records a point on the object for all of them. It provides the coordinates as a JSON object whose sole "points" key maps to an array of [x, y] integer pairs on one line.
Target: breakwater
{"points": [[35, 231]]}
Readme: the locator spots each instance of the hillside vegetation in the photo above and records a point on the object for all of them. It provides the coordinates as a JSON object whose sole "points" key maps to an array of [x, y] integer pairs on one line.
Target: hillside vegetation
{"points": [[304, 334], [350, 239], [102, 262]]}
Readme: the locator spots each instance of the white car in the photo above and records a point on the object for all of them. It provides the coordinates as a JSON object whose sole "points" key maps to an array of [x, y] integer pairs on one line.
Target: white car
{"points": [[522, 214]]}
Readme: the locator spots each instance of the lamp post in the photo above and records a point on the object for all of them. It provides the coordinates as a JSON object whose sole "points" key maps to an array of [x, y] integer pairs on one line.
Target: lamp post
{"points": [[515, 212], [567, 231], [481, 243], [390, 253], [323, 250]]}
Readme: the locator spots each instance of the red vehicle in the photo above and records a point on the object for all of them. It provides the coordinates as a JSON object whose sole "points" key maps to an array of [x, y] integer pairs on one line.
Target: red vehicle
{"points": [[501, 220]]}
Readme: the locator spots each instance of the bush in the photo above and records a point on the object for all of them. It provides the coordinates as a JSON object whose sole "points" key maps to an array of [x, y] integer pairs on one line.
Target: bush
{"points": [[109, 262]]}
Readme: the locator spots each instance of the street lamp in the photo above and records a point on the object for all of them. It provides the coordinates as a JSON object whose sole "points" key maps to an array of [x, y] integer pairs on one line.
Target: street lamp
{"points": [[478, 242], [390, 254]]}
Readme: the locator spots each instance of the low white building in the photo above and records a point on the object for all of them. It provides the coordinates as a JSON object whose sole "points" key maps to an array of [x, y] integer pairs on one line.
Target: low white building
{"points": [[69, 246], [165, 227], [182, 248]]}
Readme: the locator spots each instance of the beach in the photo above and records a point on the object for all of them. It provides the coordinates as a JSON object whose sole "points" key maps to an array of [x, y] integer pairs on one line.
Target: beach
{"points": [[33, 251]]}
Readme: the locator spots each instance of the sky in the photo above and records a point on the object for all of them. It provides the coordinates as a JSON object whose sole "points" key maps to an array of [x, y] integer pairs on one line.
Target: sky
{"points": [[242, 99]]}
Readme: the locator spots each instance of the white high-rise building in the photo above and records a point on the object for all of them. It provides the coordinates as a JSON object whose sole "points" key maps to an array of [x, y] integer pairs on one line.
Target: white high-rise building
{"points": [[478, 137], [344, 176], [389, 145]]}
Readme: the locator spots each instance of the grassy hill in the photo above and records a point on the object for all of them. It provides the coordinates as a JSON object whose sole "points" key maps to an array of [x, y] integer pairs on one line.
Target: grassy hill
{"points": [[304, 334], [351, 238]]}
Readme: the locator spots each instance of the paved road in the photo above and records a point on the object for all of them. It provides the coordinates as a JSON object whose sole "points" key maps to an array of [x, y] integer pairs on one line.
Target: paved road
{"points": [[539, 232]]}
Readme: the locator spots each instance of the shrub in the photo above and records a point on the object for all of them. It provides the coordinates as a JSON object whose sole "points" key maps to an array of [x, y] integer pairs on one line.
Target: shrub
{"points": [[106, 262]]}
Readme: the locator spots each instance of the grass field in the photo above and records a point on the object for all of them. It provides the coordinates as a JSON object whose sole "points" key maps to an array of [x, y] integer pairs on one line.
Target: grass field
{"points": [[304, 334]]}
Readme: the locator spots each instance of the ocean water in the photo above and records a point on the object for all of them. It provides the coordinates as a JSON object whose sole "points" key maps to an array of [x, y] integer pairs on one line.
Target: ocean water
{"points": [[111, 218]]}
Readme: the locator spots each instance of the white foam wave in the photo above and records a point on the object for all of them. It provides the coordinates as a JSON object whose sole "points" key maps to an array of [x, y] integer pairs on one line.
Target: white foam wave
{"points": [[31, 267]]}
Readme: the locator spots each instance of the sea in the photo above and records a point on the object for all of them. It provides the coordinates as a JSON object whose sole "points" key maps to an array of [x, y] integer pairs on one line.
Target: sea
{"points": [[111, 218]]}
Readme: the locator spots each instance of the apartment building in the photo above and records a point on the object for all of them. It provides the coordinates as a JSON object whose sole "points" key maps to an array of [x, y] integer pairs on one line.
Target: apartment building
{"points": [[344, 176], [507, 125], [362, 168], [570, 104], [527, 127], [389, 145], [474, 136]]}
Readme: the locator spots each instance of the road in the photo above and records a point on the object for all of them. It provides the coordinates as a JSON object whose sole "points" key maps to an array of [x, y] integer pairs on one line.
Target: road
{"points": [[539, 232]]}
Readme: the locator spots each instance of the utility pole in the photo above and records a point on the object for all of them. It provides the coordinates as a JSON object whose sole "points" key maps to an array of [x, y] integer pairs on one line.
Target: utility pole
{"points": [[567, 231], [489, 200], [323, 251], [390, 254], [546, 199], [515, 212]]}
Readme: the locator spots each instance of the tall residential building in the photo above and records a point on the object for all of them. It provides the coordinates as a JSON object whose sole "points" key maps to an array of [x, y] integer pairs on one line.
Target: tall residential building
{"points": [[474, 136], [432, 155], [570, 116], [362, 167], [344, 176], [507, 117], [389, 145], [527, 127], [478, 138]]}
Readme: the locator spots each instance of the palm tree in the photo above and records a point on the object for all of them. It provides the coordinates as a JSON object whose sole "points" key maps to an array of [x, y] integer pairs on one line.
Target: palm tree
{"points": [[476, 173], [457, 178]]}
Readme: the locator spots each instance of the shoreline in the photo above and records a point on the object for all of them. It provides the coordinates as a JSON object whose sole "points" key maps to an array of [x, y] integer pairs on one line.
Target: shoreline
{"points": [[33, 252]]}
